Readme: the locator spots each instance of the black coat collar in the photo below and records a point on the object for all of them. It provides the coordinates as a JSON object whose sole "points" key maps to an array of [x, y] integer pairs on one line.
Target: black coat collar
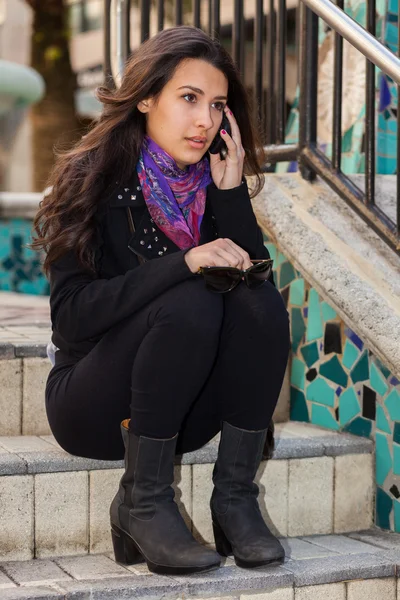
{"points": [[148, 241]]}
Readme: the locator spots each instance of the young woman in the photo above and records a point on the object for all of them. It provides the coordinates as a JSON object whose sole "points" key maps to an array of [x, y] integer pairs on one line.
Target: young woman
{"points": [[138, 211]]}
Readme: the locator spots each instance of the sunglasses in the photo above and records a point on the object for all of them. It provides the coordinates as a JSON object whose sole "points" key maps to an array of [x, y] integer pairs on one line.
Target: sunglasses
{"points": [[225, 279]]}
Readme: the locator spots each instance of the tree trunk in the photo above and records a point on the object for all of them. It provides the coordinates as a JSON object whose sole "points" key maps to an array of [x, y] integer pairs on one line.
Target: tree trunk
{"points": [[55, 123]]}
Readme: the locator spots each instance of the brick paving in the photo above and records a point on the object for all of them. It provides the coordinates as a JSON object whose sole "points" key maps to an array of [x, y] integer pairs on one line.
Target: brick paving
{"points": [[25, 326]]}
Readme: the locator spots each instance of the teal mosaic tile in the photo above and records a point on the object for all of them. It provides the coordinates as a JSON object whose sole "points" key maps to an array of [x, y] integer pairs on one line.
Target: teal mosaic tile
{"points": [[297, 376], [347, 140], [322, 416], [349, 406], [298, 406], [319, 391], [360, 371], [287, 274], [334, 371], [314, 322], [381, 420], [328, 314], [377, 382], [359, 426], [272, 251], [384, 505], [350, 354], [281, 258], [396, 433], [383, 458], [383, 369], [392, 404], [310, 353], [397, 516], [297, 292], [298, 328], [396, 459]]}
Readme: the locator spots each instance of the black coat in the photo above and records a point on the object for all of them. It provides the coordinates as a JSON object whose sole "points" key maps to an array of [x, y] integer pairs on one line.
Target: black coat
{"points": [[84, 305]]}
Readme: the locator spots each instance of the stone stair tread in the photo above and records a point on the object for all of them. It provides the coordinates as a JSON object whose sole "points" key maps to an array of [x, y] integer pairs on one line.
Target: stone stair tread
{"points": [[313, 560], [41, 454]]}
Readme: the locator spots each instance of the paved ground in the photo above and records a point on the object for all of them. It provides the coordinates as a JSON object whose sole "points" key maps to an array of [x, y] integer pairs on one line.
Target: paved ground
{"points": [[24, 318]]}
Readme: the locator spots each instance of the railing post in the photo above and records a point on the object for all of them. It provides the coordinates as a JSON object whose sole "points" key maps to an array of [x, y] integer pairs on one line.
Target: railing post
{"points": [[258, 90], [107, 69], [270, 120], [398, 142], [308, 65], [281, 72], [370, 114], [337, 100]]}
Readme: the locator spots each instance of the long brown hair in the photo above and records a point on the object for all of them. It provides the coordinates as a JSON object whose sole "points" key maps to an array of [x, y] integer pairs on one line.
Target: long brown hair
{"points": [[83, 176]]}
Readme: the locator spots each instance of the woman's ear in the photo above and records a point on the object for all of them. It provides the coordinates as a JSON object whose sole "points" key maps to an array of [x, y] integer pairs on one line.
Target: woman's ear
{"points": [[144, 106]]}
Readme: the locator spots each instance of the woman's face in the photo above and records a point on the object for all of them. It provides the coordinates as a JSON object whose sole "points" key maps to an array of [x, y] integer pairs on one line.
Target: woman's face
{"points": [[185, 118]]}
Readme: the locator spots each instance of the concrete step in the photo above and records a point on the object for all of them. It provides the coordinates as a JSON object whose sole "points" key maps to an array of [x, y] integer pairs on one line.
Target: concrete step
{"points": [[357, 566], [55, 504]]}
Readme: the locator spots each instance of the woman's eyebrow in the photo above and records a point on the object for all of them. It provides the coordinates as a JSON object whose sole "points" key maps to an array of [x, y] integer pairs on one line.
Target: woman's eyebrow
{"points": [[199, 91]]}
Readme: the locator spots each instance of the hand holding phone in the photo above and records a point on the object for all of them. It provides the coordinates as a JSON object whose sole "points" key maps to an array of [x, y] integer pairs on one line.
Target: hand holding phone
{"points": [[226, 154], [218, 144]]}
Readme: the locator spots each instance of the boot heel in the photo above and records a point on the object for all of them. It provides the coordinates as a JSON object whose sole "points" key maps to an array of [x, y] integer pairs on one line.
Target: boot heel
{"points": [[222, 544], [125, 550]]}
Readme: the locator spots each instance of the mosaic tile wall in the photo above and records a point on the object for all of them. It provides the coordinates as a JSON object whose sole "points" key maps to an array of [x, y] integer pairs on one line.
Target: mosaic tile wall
{"points": [[20, 269], [337, 383]]}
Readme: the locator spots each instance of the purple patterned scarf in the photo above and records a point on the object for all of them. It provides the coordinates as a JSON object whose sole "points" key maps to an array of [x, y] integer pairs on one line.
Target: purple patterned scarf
{"points": [[176, 199]]}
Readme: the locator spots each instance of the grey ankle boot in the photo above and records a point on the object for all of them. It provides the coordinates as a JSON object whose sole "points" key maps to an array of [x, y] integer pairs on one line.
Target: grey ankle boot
{"points": [[239, 527], [145, 519]]}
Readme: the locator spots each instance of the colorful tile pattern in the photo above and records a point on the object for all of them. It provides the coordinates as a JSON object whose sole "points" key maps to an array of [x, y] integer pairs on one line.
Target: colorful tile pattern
{"points": [[20, 268], [337, 383]]}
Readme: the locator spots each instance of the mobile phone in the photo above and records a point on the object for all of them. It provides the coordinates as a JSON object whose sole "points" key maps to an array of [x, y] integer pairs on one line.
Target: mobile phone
{"points": [[218, 144]]}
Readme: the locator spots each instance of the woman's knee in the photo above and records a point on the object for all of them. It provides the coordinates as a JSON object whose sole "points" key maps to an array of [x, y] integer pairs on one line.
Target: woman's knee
{"points": [[190, 309], [262, 309]]}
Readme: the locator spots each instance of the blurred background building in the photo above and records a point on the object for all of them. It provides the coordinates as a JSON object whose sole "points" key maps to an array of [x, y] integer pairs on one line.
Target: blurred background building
{"points": [[85, 20]]}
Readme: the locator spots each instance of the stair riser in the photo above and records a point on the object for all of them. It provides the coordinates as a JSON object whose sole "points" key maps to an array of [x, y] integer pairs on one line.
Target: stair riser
{"points": [[22, 406], [60, 514]]}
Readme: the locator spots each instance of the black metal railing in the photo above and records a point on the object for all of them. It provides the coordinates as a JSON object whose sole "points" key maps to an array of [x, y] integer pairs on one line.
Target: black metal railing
{"points": [[267, 81]]}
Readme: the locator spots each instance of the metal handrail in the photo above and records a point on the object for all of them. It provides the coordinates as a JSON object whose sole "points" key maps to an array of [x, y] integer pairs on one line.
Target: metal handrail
{"points": [[122, 33], [311, 160], [358, 37]]}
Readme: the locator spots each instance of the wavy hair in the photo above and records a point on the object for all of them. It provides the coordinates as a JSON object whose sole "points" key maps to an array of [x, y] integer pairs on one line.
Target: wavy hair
{"points": [[83, 176]]}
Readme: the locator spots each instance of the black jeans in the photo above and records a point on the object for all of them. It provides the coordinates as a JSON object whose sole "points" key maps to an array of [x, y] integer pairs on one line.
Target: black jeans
{"points": [[187, 361]]}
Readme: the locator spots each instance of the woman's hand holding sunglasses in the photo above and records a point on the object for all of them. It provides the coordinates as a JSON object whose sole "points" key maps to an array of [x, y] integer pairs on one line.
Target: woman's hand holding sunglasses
{"points": [[228, 173], [225, 279], [219, 253]]}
